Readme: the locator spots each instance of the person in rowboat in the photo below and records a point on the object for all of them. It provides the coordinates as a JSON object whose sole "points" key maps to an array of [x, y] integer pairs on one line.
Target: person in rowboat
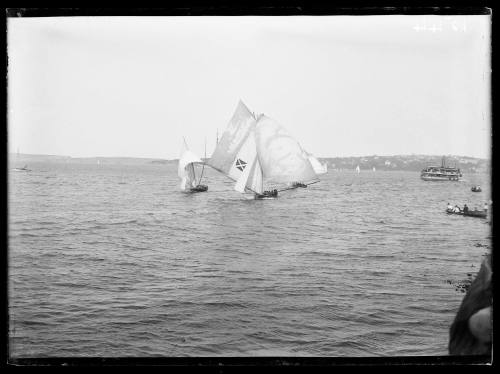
{"points": [[466, 208]]}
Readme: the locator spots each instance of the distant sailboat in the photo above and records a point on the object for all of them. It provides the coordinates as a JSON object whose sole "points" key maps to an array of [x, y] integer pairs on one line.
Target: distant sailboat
{"points": [[254, 151], [357, 169], [187, 172], [374, 169], [24, 168]]}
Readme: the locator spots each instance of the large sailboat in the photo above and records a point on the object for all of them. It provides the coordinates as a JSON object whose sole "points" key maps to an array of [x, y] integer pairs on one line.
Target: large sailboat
{"points": [[186, 171], [260, 156]]}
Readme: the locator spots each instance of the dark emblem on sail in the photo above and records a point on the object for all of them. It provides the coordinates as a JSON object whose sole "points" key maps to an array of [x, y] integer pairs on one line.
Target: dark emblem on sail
{"points": [[240, 164]]}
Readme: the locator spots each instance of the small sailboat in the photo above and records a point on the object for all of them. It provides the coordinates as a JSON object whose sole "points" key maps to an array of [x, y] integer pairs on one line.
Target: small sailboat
{"points": [[357, 169], [255, 151], [374, 169], [24, 168], [186, 171]]}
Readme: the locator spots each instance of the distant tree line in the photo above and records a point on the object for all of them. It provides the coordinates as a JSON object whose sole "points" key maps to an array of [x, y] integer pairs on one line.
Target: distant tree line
{"points": [[407, 162]]}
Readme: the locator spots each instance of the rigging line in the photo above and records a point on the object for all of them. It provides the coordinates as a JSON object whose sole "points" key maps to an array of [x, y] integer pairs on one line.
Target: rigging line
{"points": [[205, 157], [194, 174], [293, 188]]}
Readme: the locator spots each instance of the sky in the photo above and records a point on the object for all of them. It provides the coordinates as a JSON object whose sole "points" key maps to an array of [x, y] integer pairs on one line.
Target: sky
{"points": [[341, 85]]}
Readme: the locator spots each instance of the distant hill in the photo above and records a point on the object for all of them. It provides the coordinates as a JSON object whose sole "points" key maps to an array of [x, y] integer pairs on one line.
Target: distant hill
{"points": [[380, 163], [407, 162], [28, 158]]}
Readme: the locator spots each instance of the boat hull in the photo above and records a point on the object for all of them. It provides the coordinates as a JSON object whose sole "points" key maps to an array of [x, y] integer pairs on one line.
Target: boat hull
{"points": [[266, 196], [199, 188], [473, 213], [440, 178]]}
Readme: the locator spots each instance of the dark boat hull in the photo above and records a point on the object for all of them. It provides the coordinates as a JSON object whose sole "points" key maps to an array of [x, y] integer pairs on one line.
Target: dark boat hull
{"points": [[199, 188], [266, 195], [473, 213], [427, 177]]}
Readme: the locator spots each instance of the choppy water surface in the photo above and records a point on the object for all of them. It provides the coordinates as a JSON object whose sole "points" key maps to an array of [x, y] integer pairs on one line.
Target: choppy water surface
{"points": [[113, 260]]}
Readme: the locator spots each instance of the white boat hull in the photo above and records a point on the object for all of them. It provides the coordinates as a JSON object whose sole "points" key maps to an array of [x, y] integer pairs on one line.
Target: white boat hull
{"points": [[439, 178]]}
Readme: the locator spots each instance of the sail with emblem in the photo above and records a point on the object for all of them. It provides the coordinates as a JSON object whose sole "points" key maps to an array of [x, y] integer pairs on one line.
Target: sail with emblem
{"points": [[236, 154], [280, 156], [185, 169], [230, 156]]}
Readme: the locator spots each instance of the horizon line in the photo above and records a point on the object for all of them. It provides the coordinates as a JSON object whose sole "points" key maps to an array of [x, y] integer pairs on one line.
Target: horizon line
{"points": [[176, 158]]}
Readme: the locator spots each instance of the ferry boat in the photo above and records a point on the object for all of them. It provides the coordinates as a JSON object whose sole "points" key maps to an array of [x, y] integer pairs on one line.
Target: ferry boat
{"points": [[441, 173]]}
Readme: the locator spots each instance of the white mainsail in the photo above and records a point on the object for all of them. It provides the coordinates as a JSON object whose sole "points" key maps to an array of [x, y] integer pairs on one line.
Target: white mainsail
{"points": [[185, 170], [318, 167], [236, 153], [280, 156], [228, 149], [357, 169]]}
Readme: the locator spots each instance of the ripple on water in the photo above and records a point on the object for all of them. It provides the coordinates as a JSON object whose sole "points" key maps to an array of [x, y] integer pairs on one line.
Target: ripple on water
{"points": [[348, 267]]}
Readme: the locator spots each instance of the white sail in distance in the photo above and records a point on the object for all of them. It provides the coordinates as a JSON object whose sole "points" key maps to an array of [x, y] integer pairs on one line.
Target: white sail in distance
{"points": [[185, 170], [280, 156], [357, 169]]}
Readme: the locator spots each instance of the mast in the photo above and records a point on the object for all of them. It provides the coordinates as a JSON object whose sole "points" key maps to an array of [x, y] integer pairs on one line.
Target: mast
{"points": [[204, 160]]}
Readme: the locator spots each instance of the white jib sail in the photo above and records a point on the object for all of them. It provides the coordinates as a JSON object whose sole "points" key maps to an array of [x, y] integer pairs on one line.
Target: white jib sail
{"points": [[232, 141], [280, 156], [185, 170], [241, 183], [242, 166], [318, 167], [251, 178]]}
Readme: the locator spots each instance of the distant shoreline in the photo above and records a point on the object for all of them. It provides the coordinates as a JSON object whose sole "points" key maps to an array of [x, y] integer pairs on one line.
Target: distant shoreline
{"points": [[371, 163], [176, 159]]}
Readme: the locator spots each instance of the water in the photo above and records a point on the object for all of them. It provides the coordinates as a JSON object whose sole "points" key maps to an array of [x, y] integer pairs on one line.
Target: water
{"points": [[112, 260]]}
